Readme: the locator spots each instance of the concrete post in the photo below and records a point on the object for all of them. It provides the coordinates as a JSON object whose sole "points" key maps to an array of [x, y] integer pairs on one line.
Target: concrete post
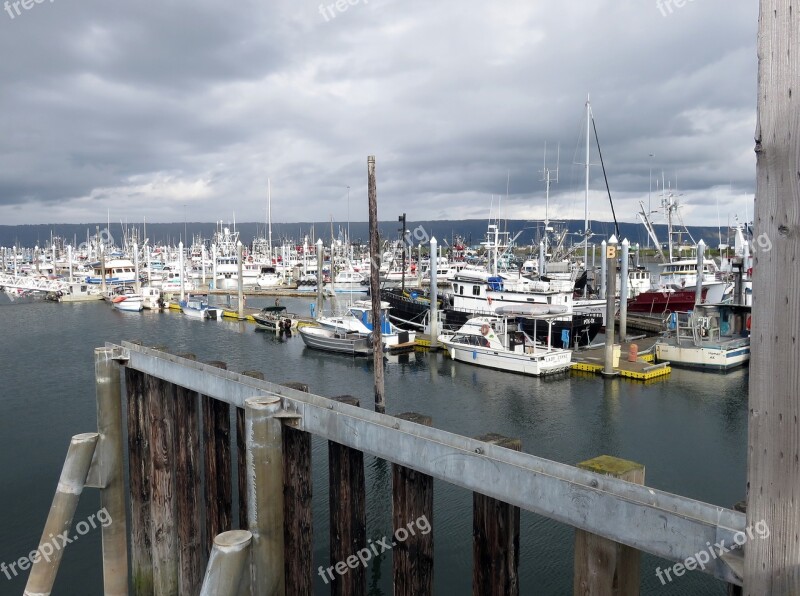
{"points": [[59, 520], [610, 258], [320, 260], [69, 258], [265, 494], [623, 291], [227, 564], [434, 294], [136, 285], [240, 280], [603, 270], [110, 472], [542, 258], [698, 290], [213, 266], [180, 268]]}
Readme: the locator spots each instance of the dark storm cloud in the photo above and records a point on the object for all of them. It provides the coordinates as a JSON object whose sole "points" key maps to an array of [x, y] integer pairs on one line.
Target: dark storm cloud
{"points": [[154, 109]]}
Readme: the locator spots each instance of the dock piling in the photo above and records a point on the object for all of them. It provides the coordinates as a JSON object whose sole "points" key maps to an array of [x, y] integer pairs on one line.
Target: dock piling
{"points": [[217, 464], [227, 565], [623, 291], [433, 323], [610, 260], [698, 290]]}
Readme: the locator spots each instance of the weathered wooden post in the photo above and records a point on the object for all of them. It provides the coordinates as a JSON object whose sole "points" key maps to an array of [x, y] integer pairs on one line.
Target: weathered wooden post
{"points": [[771, 564], [495, 538], [604, 567], [59, 519], [347, 500], [265, 495], [191, 548], [374, 286], [109, 471], [217, 464], [412, 502], [160, 397], [139, 474], [227, 564], [298, 533]]}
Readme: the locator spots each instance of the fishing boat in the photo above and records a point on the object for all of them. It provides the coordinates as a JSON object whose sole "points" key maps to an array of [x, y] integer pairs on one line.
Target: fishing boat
{"points": [[343, 342], [358, 318], [79, 292], [268, 278], [712, 336], [275, 318], [501, 342], [117, 271]]}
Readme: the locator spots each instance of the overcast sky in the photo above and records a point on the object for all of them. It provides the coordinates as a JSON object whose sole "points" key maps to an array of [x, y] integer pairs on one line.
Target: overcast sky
{"points": [[178, 110]]}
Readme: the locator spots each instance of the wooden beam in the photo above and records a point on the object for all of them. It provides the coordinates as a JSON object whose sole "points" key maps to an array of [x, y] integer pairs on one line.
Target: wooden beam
{"points": [[217, 465], [374, 286]]}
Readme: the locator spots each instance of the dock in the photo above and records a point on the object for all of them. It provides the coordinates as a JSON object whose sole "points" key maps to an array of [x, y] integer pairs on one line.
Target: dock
{"points": [[591, 360]]}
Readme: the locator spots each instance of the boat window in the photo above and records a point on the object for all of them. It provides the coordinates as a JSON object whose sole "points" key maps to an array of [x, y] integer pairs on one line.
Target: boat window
{"points": [[461, 290], [476, 290]]}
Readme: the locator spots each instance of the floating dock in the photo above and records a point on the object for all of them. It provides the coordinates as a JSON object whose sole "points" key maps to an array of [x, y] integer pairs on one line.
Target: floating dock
{"points": [[591, 360]]}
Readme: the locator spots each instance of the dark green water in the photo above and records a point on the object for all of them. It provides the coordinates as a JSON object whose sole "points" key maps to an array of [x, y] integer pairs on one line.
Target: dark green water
{"points": [[690, 432]]}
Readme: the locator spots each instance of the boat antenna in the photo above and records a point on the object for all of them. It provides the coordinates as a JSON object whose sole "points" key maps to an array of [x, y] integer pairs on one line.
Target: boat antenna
{"points": [[605, 177]]}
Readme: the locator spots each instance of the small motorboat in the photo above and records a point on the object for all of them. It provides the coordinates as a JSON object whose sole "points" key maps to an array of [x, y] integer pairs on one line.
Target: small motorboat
{"points": [[275, 318], [128, 302], [343, 342]]}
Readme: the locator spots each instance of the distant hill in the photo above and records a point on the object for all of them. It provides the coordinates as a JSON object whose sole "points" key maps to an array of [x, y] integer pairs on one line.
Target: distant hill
{"points": [[472, 230]]}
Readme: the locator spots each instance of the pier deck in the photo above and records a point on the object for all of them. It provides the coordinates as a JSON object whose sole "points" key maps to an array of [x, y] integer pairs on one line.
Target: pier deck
{"points": [[592, 359]]}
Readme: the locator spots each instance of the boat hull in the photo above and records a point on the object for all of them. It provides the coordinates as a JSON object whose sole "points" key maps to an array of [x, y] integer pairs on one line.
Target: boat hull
{"points": [[709, 358], [129, 305], [536, 365]]}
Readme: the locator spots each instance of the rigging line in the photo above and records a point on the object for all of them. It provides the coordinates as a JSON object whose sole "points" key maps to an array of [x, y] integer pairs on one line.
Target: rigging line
{"points": [[600, 153]]}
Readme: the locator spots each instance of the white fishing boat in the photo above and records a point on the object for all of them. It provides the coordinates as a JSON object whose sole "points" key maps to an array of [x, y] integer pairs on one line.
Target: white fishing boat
{"points": [[500, 342], [269, 278], [79, 292], [358, 318], [343, 342], [128, 302], [117, 271], [152, 298], [196, 308], [712, 336]]}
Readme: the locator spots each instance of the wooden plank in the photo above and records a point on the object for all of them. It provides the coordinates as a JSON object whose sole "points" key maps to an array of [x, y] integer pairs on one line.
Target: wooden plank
{"points": [[191, 552], [412, 514], [495, 537], [139, 483], [297, 510], [604, 567], [374, 286], [217, 465], [160, 397], [347, 500], [773, 479]]}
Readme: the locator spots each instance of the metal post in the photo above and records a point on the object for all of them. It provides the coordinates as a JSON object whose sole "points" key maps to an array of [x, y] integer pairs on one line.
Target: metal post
{"points": [[319, 277], [103, 287], [611, 278], [213, 267], [136, 284], [265, 494], [109, 471], [638, 249], [603, 270], [542, 259], [623, 291], [402, 219], [227, 564], [69, 258], [698, 290], [203, 265], [240, 280], [434, 293], [180, 268], [59, 520]]}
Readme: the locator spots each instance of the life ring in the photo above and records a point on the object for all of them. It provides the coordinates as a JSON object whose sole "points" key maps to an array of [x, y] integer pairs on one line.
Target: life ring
{"points": [[485, 329], [747, 324]]}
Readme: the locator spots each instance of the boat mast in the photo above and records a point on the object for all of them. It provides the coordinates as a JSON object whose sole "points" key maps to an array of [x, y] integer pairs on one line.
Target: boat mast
{"points": [[586, 201]]}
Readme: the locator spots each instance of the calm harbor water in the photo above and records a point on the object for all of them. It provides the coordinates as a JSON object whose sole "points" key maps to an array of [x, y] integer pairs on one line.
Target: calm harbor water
{"points": [[690, 431]]}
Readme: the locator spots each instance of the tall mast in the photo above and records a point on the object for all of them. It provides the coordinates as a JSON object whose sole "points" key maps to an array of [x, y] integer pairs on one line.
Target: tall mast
{"points": [[269, 218], [586, 201]]}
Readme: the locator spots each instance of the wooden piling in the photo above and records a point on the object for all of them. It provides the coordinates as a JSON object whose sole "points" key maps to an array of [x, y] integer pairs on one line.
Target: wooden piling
{"points": [[412, 501], [191, 548], [217, 465], [347, 501], [139, 480], [111, 474], [160, 397], [495, 538], [227, 564], [241, 455], [604, 567], [374, 286], [298, 532]]}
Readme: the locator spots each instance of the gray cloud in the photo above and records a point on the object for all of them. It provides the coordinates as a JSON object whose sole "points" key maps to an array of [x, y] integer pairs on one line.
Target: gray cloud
{"points": [[157, 109]]}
